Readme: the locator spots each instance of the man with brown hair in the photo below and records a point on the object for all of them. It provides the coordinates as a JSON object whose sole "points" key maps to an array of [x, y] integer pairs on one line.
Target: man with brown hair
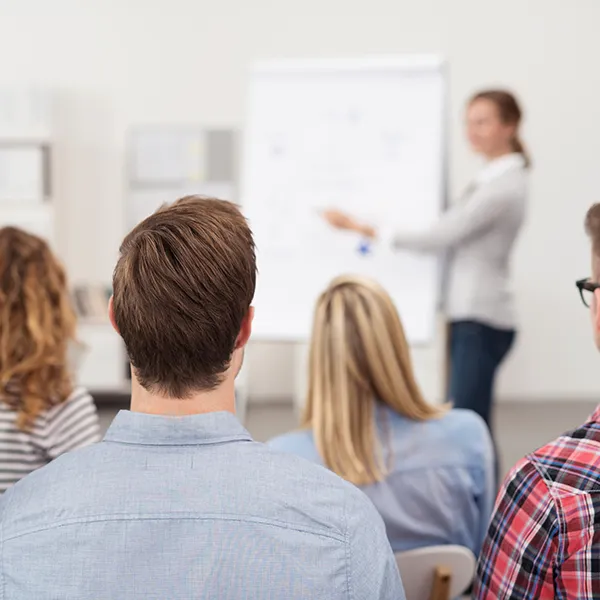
{"points": [[178, 501], [544, 538]]}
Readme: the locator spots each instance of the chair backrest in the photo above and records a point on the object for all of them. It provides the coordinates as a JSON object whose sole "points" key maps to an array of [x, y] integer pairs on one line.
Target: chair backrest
{"points": [[418, 570]]}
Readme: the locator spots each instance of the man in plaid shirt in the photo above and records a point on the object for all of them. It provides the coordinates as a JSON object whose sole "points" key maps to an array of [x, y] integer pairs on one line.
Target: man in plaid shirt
{"points": [[544, 537]]}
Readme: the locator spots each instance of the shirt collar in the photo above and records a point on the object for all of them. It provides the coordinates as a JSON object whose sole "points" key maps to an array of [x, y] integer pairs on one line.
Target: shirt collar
{"points": [[497, 167], [158, 430]]}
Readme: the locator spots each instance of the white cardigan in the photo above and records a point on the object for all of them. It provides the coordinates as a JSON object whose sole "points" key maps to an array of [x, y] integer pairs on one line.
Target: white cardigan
{"points": [[480, 233]]}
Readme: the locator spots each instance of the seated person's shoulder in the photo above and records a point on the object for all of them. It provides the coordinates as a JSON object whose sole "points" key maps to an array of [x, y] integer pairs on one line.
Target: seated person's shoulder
{"points": [[299, 442], [559, 473], [63, 471], [343, 512], [57, 483], [464, 418], [69, 435], [458, 437], [572, 461], [295, 454], [463, 427]]}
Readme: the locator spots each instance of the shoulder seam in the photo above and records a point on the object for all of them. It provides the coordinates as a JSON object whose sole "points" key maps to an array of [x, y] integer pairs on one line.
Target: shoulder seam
{"points": [[542, 474], [552, 495]]}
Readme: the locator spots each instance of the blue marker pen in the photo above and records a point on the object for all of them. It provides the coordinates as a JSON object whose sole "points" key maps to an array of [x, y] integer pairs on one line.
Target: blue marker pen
{"points": [[364, 247]]}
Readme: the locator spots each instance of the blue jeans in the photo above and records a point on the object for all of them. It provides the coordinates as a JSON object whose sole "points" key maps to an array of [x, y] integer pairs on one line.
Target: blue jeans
{"points": [[476, 351]]}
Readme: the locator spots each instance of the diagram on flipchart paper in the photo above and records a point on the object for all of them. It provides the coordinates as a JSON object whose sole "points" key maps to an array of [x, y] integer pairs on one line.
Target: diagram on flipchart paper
{"points": [[369, 143]]}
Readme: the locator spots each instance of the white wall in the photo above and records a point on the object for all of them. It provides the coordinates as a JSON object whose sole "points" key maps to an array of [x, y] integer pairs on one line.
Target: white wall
{"points": [[121, 62]]}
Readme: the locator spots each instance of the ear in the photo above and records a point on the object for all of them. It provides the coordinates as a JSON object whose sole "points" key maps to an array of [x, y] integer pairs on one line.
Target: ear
{"points": [[111, 315], [245, 329], [511, 131]]}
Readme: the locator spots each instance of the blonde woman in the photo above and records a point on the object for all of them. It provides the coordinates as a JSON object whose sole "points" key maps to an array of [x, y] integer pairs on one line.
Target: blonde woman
{"points": [[428, 470], [42, 414]]}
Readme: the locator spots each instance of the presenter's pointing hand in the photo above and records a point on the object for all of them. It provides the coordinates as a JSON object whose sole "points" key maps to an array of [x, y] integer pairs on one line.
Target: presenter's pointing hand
{"points": [[340, 220]]}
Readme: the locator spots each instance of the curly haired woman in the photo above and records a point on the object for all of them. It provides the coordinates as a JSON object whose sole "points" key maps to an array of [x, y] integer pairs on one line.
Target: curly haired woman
{"points": [[42, 413]]}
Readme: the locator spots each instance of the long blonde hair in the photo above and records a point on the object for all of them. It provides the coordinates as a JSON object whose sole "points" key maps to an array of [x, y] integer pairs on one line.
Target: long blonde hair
{"points": [[359, 356], [37, 322]]}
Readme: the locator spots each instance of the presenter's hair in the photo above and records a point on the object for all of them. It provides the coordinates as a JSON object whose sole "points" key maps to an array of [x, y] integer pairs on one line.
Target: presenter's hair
{"points": [[510, 112], [359, 357], [37, 323], [182, 287]]}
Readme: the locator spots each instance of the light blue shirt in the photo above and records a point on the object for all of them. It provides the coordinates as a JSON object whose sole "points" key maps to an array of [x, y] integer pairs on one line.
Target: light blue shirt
{"points": [[440, 487], [190, 508]]}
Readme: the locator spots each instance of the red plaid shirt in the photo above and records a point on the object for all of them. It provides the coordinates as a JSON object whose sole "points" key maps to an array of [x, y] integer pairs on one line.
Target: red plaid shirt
{"points": [[544, 537]]}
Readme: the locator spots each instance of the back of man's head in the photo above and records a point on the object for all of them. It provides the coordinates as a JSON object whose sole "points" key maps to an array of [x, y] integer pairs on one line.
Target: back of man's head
{"points": [[181, 290]]}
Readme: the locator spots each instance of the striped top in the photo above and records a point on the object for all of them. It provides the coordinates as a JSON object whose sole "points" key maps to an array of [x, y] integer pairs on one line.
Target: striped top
{"points": [[69, 425]]}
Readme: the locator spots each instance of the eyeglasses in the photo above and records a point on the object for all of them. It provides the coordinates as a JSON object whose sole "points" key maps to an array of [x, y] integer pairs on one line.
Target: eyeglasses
{"points": [[586, 290]]}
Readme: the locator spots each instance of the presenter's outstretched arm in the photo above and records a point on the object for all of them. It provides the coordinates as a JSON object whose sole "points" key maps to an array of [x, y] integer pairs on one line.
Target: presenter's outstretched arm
{"points": [[454, 227]]}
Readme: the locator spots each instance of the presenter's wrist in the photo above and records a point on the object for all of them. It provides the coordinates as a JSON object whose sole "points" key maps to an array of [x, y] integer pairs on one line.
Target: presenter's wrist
{"points": [[367, 231]]}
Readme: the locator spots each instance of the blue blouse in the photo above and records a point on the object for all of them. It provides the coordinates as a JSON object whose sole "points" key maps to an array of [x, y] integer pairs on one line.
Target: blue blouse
{"points": [[440, 488]]}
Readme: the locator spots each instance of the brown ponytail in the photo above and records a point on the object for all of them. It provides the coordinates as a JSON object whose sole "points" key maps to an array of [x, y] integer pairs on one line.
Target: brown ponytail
{"points": [[510, 113]]}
